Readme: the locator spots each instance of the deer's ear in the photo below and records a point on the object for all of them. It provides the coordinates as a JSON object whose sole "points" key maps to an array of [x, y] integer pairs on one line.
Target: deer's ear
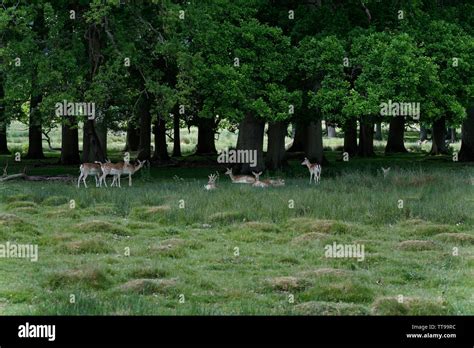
{"points": [[260, 173]]}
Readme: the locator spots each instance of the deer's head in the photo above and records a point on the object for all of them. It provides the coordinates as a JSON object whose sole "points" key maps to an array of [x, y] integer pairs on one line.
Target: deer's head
{"points": [[305, 162]]}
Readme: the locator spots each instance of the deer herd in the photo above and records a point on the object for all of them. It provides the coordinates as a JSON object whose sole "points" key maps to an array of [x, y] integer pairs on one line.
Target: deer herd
{"points": [[101, 170]]}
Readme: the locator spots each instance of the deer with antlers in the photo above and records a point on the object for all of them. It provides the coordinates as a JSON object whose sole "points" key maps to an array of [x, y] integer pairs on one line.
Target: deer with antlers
{"points": [[211, 185], [314, 170], [240, 179]]}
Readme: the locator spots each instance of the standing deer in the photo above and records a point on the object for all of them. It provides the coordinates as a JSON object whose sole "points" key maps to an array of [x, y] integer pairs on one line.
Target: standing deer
{"points": [[314, 170], [240, 179], [90, 169], [129, 169], [114, 169]]}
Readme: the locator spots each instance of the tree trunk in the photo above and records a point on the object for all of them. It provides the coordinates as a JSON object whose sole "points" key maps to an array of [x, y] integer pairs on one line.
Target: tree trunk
{"points": [[378, 131], [94, 137], [176, 135], [250, 138], [3, 123], [206, 142], [438, 146], [396, 135], [366, 139], [452, 135], [101, 129], [161, 148], [133, 137], [423, 133], [299, 138], [350, 137], [275, 158], [70, 142], [3, 139], [467, 145], [314, 142], [92, 145], [331, 130], [144, 148], [35, 134]]}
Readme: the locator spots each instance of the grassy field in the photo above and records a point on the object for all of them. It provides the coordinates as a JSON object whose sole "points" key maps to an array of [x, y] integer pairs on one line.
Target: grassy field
{"points": [[167, 246]]}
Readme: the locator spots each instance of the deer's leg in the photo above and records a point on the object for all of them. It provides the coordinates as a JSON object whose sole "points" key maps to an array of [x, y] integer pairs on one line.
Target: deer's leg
{"points": [[84, 179], [129, 179], [102, 178], [119, 180], [96, 181], [79, 180]]}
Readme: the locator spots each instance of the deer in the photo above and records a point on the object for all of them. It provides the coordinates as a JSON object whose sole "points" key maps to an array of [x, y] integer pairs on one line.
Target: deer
{"points": [[259, 183], [314, 170], [276, 182], [87, 169], [240, 179], [129, 169], [385, 171], [211, 185], [114, 169]]}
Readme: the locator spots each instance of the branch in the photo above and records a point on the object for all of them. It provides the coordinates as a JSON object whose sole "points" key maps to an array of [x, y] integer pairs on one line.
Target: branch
{"points": [[157, 32], [5, 169], [369, 17], [48, 140]]}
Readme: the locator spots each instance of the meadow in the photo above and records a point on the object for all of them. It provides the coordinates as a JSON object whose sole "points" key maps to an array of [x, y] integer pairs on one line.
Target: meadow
{"points": [[167, 247]]}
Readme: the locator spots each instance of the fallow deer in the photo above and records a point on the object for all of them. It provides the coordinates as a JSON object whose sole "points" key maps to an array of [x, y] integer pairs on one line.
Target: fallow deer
{"points": [[259, 183], [240, 179], [385, 171], [314, 170], [114, 169], [87, 169], [211, 185], [129, 169]]}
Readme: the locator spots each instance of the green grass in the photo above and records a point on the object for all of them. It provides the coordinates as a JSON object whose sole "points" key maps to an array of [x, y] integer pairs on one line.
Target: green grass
{"points": [[191, 251]]}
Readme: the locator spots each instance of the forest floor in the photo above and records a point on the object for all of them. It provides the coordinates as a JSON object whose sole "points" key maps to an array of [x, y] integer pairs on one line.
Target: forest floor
{"points": [[166, 246]]}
